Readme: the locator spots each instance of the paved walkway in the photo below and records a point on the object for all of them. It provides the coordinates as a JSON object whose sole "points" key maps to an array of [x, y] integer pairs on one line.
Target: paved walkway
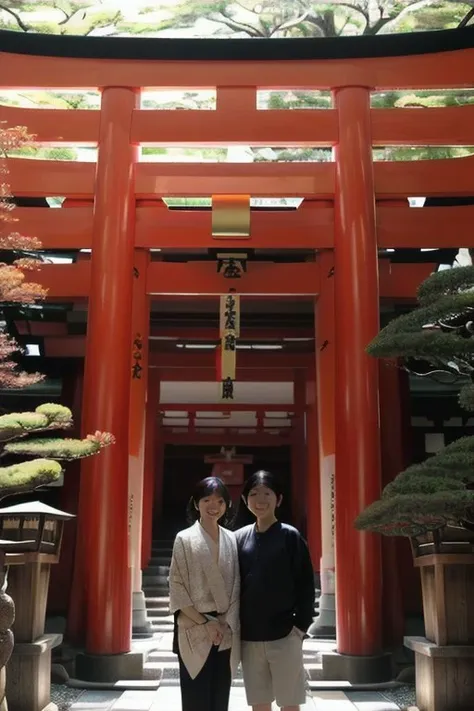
{"points": [[167, 698]]}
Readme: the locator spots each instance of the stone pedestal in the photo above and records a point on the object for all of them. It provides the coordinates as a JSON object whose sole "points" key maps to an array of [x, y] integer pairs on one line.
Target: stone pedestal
{"points": [[324, 625], [109, 667], [29, 669], [141, 625], [357, 669], [29, 675], [28, 585]]}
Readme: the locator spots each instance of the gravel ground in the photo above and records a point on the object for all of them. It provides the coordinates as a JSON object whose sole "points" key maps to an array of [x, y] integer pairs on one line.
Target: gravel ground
{"points": [[404, 696], [64, 697]]}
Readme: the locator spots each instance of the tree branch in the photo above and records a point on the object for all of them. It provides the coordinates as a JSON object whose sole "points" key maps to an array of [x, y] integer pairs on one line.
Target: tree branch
{"points": [[237, 26], [289, 24], [22, 25], [418, 6]]}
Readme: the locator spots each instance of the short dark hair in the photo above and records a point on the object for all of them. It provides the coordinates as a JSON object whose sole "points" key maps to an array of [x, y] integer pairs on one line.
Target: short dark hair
{"points": [[262, 478], [206, 487]]}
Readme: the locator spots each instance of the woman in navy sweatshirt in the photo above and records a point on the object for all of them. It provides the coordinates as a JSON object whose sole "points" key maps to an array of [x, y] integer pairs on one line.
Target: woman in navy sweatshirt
{"points": [[276, 602]]}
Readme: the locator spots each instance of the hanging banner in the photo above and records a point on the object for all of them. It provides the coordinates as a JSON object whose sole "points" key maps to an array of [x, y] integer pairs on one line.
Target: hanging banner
{"points": [[229, 329], [228, 356], [229, 316]]}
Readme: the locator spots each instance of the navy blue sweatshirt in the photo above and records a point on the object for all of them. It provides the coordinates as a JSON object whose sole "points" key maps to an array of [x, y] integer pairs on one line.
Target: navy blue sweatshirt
{"points": [[277, 582]]}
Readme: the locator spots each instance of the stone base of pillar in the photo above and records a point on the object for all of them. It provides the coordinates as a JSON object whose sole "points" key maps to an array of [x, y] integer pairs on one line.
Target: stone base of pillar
{"points": [[357, 670], [141, 625], [324, 625], [109, 667]]}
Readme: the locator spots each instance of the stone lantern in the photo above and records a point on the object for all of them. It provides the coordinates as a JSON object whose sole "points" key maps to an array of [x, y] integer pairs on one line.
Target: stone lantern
{"points": [[36, 529]]}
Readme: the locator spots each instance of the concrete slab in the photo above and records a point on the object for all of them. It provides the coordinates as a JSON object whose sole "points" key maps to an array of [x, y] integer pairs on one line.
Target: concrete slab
{"points": [[96, 701], [331, 701], [371, 701]]}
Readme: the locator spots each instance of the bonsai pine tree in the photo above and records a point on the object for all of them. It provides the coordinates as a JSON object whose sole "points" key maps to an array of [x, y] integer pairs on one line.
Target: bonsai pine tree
{"points": [[20, 254], [437, 337]]}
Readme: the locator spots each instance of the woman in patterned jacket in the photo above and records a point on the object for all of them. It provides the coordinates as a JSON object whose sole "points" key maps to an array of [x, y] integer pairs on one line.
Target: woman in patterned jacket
{"points": [[204, 598]]}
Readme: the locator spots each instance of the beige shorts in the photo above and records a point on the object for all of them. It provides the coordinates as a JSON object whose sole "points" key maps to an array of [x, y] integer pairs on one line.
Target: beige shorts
{"points": [[274, 671]]}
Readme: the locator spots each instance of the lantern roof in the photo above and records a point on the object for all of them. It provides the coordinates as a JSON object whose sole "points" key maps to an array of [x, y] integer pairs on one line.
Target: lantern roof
{"points": [[35, 508]]}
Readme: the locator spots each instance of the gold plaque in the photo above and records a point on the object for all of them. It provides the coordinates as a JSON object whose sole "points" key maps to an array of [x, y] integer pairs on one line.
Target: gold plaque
{"points": [[231, 216]]}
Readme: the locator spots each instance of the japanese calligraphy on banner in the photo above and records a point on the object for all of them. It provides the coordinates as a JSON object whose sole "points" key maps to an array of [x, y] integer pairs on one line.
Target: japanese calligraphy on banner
{"points": [[230, 314], [229, 331]]}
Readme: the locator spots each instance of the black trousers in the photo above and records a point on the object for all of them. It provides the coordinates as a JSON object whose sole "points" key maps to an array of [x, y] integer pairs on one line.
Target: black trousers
{"points": [[210, 690]]}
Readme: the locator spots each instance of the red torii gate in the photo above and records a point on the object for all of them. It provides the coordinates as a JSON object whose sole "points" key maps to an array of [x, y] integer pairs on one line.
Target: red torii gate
{"points": [[345, 279]]}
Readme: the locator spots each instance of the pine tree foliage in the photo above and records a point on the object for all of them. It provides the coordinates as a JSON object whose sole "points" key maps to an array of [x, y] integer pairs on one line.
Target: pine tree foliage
{"points": [[440, 491]]}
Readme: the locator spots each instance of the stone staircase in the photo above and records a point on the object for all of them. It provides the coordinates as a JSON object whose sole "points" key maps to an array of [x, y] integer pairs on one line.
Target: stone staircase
{"points": [[156, 590]]}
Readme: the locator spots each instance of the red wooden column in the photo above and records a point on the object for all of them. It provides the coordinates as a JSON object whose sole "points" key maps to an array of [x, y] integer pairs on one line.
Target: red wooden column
{"points": [[137, 434], [151, 437], [395, 425], [104, 481], [298, 452], [325, 435], [159, 473], [313, 482], [358, 555]]}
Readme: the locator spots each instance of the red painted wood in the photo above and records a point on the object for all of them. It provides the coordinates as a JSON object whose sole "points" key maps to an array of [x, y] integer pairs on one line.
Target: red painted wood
{"points": [[358, 555], [313, 479], [104, 480], [152, 431]]}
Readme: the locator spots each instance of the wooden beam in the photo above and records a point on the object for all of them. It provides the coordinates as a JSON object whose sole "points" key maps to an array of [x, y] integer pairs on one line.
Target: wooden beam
{"points": [[246, 375], [226, 407], [401, 281], [423, 71], [71, 281], [247, 126], [258, 439], [64, 346], [75, 347], [65, 281], [425, 227], [261, 278], [246, 359], [257, 179], [446, 126], [41, 328], [430, 178], [181, 333], [241, 126], [44, 178], [53, 127], [70, 228], [392, 179], [308, 227], [247, 333]]}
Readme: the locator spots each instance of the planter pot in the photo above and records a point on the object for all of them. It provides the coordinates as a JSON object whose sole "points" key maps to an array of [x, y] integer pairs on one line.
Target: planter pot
{"points": [[447, 581], [445, 657]]}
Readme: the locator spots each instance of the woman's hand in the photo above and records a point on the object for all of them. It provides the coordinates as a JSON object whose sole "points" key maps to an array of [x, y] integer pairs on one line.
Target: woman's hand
{"points": [[215, 632]]}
